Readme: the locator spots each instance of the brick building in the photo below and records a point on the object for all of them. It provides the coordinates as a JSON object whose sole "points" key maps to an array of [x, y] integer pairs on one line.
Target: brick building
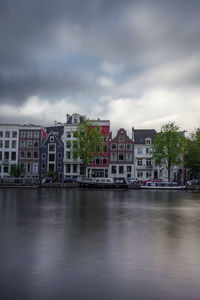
{"points": [[121, 155]]}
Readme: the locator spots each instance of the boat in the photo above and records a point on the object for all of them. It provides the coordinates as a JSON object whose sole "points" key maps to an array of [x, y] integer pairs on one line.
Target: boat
{"points": [[162, 186], [114, 183]]}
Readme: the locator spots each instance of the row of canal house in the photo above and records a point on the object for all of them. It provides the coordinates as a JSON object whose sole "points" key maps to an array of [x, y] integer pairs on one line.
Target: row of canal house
{"points": [[52, 149]]}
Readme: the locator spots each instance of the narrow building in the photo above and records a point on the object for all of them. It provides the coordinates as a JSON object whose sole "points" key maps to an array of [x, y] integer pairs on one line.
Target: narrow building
{"points": [[121, 156]]}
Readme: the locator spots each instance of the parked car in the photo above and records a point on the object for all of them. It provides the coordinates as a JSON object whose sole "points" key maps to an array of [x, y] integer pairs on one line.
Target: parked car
{"points": [[132, 180], [68, 179], [47, 180]]}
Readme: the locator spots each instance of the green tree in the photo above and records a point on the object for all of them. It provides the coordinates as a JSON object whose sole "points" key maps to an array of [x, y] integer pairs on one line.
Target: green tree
{"points": [[16, 170], [89, 142], [168, 147], [52, 173], [192, 153]]}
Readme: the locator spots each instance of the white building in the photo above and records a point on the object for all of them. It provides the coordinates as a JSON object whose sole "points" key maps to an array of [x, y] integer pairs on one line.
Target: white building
{"points": [[9, 139], [72, 167], [145, 168]]}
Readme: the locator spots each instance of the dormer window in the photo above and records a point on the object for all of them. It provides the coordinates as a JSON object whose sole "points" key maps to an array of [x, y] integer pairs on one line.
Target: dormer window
{"points": [[51, 139], [148, 141], [75, 119]]}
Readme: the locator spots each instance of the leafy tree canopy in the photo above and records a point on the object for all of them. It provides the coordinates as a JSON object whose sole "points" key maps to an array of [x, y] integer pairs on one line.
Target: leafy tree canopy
{"points": [[16, 170], [89, 141], [192, 152], [168, 146]]}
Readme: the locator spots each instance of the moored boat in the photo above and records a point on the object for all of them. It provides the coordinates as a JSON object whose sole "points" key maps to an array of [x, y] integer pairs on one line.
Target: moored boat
{"points": [[104, 183], [162, 186]]}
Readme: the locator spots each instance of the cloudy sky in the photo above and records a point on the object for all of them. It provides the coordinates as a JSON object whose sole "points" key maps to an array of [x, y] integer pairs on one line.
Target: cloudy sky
{"points": [[136, 63]]}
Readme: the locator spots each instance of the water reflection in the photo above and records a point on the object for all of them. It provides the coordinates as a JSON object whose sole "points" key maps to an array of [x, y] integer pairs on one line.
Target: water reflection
{"points": [[79, 244]]}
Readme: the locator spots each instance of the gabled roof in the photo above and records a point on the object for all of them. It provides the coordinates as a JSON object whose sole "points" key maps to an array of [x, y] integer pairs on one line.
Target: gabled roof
{"points": [[57, 129], [47, 139], [140, 135]]}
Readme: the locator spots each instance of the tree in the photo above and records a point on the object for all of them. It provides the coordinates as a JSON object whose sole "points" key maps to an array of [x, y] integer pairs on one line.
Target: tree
{"points": [[168, 146], [192, 153], [89, 142], [16, 170], [52, 173]]}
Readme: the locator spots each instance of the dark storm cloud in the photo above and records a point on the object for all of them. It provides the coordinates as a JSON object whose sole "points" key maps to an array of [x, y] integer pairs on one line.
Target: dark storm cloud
{"points": [[37, 37]]}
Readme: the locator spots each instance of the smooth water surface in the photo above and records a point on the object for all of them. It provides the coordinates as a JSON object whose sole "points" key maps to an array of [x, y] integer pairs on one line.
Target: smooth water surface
{"points": [[81, 244]]}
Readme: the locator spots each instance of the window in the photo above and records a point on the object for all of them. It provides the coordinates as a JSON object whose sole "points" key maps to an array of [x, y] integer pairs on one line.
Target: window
{"points": [[22, 144], [139, 162], [74, 168], [36, 134], [148, 141], [29, 134], [13, 155], [43, 166], [139, 174], [35, 154], [113, 146], [43, 156], [29, 143], [51, 157], [68, 134], [23, 134], [128, 146], [28, 167], [22, 154], [51, 139], [7, 144], [6, 155], [75, 120], [68, 155], [1, 134], [128, 169], [148, 174], [148, 162], [114, 169], [139, 150], [121, 156], [14, 144], [121, 139], [51, 166], [105, 149], [97, 161], [7, 135], [147, 151], [5, 169], [35, 144], [68, 144], [121, 169], [105, 138], [128, 156], [28, 154], [121, 132], [1, 155], [104, 161], [121, 146], [68, 168], [14, 134], [35, 167], [59, 155], [52, 147], [1, 143], [113, 156], [161, 173], [59, 165], [75, 134]]}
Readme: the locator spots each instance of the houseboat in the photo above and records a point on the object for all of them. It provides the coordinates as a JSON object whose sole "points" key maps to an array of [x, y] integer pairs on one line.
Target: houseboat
{"points": [[114, 183], [162, 186]]}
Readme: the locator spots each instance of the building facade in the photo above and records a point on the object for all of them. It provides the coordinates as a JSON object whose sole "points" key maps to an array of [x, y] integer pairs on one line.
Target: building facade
{"points": [[99, 165], [121, 156], [29, 150], [9, 137], [144, 166], [51, 154]]}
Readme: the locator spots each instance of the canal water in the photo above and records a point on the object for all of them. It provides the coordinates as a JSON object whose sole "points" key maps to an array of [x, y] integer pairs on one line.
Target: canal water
{"points": [[81, 244]]}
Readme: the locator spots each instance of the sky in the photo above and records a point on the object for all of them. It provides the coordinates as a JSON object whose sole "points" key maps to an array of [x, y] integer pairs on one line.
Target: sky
{"points": [[136, 63]]}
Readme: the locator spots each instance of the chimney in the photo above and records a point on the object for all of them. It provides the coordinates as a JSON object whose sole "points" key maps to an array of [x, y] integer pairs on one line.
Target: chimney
{"points": [[133, 135]]}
